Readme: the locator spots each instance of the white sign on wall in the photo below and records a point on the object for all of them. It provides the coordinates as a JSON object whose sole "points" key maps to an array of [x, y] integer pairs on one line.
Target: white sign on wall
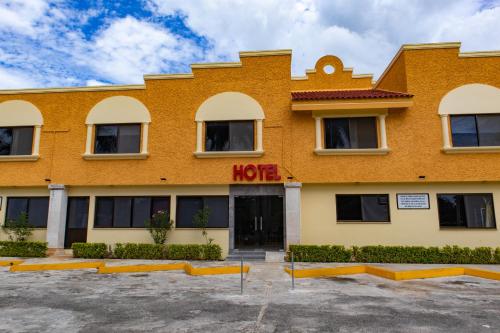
{"points": [[413, 200]]}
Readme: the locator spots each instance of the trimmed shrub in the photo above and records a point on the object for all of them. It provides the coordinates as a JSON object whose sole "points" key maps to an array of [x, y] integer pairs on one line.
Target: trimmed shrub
{"points": [[139, 251], [320, 253], [194, 252], [496, 256], [23, 249], [172, 251], [396, 254], [90, 250]]}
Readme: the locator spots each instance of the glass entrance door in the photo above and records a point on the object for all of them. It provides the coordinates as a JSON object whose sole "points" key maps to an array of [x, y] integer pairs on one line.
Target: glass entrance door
{"points": [[259, 222], [76, 221]]}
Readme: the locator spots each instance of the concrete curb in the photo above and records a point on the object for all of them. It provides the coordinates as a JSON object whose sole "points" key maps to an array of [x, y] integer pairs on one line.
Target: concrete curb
{"points": [[56, 266], [15, 266], [4, 263], [394, 275]]}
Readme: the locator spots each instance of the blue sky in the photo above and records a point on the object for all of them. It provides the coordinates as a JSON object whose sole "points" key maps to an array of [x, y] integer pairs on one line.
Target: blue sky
{"points": [[48, 43]]}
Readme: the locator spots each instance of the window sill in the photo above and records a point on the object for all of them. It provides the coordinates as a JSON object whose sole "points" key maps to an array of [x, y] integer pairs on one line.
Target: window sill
{"points": [[363, 222], [18, 158], [217, 154], [463, 150], [367, 151], [133, 156], [467, 228]]}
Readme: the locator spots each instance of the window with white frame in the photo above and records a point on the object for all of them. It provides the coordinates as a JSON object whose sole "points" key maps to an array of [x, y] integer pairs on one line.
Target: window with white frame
{"points": [[350, 134], [229, 124], [117, 127], [20, 128], [470, 119]]}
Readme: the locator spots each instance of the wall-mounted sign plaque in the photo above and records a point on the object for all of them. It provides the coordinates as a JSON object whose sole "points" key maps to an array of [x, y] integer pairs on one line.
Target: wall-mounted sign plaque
{"points": [[413, 200]]}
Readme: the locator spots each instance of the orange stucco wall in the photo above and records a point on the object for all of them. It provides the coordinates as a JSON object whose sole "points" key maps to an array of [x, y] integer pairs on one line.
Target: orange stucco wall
{"points": [[414, 134]]}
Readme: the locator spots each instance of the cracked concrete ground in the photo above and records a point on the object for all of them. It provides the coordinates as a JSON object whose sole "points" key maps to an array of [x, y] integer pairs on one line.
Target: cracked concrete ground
{"points": [[83, 301]]}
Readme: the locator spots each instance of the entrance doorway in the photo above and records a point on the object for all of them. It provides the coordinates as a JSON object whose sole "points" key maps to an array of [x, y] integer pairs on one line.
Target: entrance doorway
{"points": [[77, 218], [259, 222]]}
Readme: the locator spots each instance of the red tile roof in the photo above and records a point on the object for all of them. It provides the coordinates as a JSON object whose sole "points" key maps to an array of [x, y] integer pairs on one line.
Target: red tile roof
{"points": [[346, 94]]}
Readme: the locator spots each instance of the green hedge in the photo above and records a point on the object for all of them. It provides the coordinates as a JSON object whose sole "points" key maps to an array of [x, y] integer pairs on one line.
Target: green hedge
{"points": [[396, 254], [23, 249], [90, 250], [321, 253], [170, 251]]}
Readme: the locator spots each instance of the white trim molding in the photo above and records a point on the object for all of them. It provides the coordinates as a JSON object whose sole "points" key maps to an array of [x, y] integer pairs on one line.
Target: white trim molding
{"points": [[117, 110], [229, 106], [471, 150], [22, 113], [217, 154], [18, 158], [132, 156], [364, 151], [469, 99], [319, 149]]}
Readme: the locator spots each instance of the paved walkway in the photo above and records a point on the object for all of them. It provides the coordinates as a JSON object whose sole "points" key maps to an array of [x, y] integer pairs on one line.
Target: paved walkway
{"points": [[70, 301]]}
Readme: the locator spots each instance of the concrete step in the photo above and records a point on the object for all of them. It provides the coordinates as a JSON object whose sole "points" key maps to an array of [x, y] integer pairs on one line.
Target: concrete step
{"points": [[247, 255]]}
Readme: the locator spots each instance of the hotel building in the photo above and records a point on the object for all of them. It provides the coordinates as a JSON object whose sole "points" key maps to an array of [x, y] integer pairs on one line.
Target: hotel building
{"points": [[331, 157]]}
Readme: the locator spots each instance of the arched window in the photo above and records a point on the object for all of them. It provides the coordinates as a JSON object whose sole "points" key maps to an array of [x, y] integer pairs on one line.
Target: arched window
{"points": [[470, 118], [117, 128], [229, 124], [20, 127]]}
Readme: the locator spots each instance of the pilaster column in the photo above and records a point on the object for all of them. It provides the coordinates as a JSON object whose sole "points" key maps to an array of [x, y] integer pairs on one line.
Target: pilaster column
{"points": [[88, 143], [292, 213], [56, 222], [319, 141], [144, 146], [383, 133], [36, 143], [259, 135], [199, 136], [446, 130]]}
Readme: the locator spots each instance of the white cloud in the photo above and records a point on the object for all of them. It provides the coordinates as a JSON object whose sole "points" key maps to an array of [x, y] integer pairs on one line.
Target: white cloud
{"points": [[13, 79], [129, 48], [364, 34], [95, 83], [22, 16]]}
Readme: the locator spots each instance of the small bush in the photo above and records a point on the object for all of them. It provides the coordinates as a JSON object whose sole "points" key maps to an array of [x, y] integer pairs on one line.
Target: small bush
{"points": [[194, 252], [89, 250], [139, 251], [396, 254], [23, 249], [172, 251], [496, 256], [320, 253]]}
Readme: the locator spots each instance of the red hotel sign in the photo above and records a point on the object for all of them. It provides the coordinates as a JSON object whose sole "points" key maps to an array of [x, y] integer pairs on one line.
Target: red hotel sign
{"points": [[250, 172]]}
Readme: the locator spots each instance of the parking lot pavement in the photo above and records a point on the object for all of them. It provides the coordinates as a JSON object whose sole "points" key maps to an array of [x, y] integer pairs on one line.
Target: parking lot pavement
{"points": [[70, 301]]}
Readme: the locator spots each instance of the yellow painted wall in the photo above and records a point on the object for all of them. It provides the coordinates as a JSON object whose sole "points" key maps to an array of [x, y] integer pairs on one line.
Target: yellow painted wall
{"points": [[414, 134], [134, 235], [407, 227], [39, 234]]}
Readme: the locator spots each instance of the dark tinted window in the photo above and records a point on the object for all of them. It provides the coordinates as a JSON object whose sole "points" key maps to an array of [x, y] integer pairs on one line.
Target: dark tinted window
{"points": [[104, 212], [78, 213], [351, 133], [111, 139], [366, 208], [122, 212], [475, 130], [464, 131], [489, 130], [142, 211], [16, 140], [187, 207], [37, 209], [229, 136], [127, 212], [466, 210]]}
